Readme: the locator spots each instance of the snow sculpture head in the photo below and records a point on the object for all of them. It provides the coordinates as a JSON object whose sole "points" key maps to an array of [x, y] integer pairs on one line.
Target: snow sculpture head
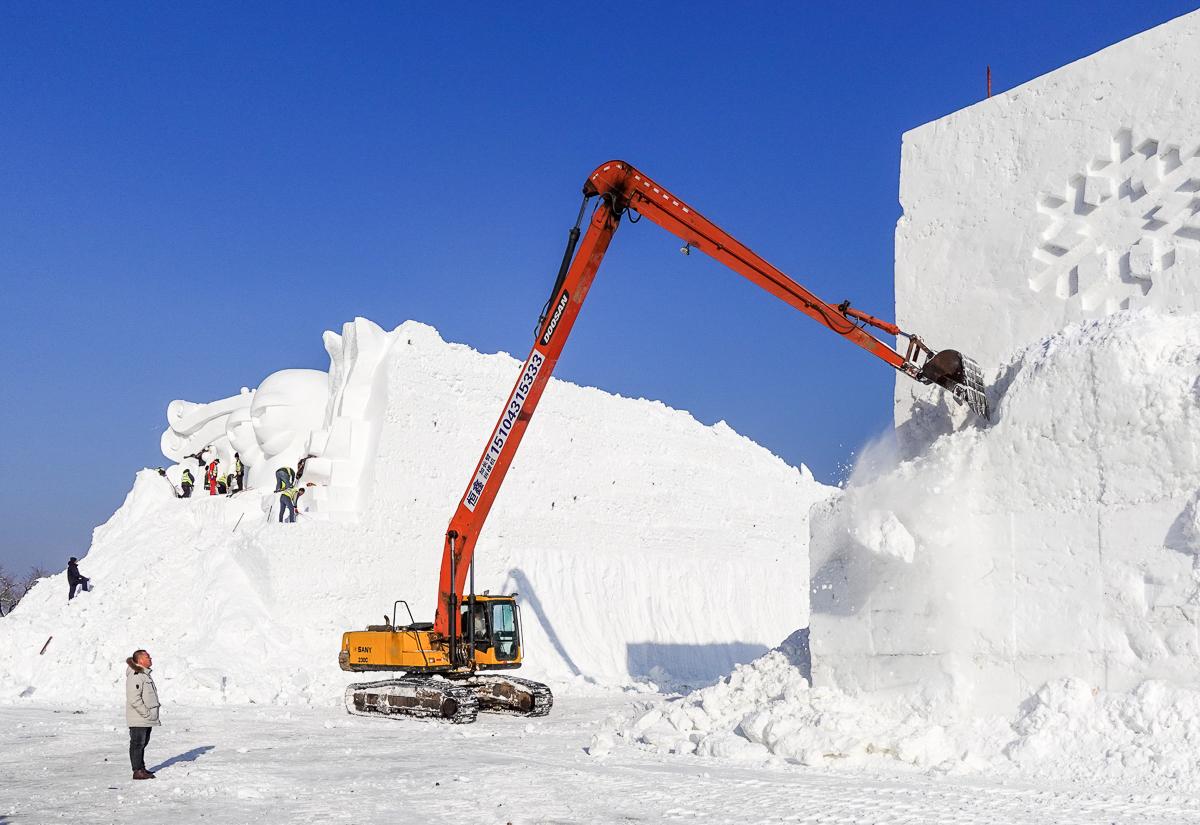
{"points": [[289, 405]]}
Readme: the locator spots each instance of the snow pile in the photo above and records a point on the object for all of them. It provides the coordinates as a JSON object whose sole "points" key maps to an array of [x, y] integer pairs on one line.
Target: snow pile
{"points": [[1059, 541], [1080, 732], [766, 710], [1068, 731], [627, 528]]}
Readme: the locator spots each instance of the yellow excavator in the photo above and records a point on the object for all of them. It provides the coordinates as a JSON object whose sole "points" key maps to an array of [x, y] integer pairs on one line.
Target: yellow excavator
{"points": [[450, 665]]}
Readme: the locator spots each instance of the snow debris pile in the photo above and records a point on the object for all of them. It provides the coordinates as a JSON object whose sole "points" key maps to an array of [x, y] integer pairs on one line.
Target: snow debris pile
{"points": [[1069, 730], [628, 529]]}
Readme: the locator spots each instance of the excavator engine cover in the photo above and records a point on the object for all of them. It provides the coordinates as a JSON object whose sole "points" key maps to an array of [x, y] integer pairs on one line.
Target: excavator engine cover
{"points": [[961, 376]]}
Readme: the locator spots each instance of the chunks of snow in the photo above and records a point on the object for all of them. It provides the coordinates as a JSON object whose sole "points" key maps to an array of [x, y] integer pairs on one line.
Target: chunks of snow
{"points": [[1068, 731], [881, 532]]}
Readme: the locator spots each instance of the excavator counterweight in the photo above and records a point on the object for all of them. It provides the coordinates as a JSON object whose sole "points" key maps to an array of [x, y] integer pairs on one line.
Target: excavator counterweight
{"points": [[445, 663]]}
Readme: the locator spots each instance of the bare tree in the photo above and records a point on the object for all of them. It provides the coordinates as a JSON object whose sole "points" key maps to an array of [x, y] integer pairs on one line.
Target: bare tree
{"points": [[35, 573], [8, 591], [13, 588]]}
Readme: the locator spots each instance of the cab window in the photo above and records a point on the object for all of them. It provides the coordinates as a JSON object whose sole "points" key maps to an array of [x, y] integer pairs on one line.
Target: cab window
{"points": [[476, 626], [504, 631]]}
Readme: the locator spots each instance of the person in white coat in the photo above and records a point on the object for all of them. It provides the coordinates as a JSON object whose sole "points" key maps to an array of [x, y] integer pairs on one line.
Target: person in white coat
{"points": [[141, 710]]}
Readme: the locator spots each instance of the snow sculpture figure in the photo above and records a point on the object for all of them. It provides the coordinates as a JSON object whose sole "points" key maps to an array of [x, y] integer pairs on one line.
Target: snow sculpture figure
{"points": [[332, 418], [195, 427], [344, 451], [288, 406]]}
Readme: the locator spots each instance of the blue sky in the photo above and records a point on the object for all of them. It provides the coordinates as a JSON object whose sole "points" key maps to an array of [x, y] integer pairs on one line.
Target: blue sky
{"points": [[190, 195]]}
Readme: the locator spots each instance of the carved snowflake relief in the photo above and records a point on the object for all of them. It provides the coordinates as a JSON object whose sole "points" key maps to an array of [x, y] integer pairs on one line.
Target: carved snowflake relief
{"points": [[1114, 228]]}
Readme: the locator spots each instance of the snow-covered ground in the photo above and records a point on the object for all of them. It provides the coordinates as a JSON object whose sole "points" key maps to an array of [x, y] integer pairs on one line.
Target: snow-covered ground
{"points": [[268, 764]]}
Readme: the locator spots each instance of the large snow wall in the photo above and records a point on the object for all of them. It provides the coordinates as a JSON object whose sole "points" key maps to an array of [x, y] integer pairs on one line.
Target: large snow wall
{"points": [[1065, 199], [644, 545], [1056, 542]]}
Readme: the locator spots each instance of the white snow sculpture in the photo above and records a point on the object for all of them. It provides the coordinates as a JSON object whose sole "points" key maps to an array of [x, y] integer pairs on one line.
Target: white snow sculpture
{"points": [[288, 406], [627, 527], [344, 448], [1061, 540], [335, 418], [193, 427], [1064, 199]]}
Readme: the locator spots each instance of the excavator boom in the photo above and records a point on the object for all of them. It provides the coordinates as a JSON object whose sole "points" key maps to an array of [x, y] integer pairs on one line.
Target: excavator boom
{"points": [[622, 189]]}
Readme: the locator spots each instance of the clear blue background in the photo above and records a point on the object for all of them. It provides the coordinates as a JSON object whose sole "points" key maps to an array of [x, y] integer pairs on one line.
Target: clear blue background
{"points": [[189, 196]]}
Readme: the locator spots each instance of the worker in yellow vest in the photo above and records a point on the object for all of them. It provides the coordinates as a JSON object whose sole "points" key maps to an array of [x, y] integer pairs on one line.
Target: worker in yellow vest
{"points": [[287, 502]]}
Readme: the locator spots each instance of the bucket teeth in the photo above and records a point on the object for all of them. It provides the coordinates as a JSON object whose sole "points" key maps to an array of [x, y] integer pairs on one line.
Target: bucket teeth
{"points": [[969, 389], [952, 370]]}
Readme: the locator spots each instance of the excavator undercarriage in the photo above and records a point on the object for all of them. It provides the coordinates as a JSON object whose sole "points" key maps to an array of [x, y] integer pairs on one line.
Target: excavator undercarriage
{"points": [[457, 701]]}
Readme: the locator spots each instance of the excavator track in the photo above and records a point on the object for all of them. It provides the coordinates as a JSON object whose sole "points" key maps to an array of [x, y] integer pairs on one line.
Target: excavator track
{"points": [[510, 695], [414, 696]]}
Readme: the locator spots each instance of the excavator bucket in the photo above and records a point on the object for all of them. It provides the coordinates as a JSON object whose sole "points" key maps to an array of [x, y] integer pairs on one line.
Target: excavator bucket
{"points": [[961, 376]]}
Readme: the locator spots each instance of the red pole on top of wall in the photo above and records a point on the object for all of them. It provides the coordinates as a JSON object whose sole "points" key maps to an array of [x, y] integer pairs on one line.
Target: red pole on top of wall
{"points": [[989, 80]]}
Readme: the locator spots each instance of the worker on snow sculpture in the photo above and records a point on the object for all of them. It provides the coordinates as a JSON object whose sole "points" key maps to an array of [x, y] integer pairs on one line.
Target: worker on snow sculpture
{"points": [[76, 579], [141, 710], [287, 501], [186, 482], [285, 477], [210, 477], [239, 472]]}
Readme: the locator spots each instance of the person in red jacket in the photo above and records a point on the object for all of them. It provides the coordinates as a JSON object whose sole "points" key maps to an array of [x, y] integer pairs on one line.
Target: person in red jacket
{"points": [[210, 477]]}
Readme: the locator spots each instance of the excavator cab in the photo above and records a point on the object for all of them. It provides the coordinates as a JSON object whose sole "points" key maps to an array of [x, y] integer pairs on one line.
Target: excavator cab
{"points": [[490, 634]]}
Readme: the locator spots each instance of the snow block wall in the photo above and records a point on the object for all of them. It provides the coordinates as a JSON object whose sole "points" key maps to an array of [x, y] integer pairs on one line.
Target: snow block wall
{"points": [[1065, 199], [643, 544], [1052, 233]]}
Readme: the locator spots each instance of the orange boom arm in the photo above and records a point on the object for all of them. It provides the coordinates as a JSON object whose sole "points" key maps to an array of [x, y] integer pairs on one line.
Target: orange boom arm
{"points": [[620, 189]]}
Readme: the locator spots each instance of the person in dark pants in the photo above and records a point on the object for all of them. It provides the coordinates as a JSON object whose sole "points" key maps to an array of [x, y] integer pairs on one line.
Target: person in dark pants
{"points": [[141, 710], [186, 482], [239, 470], [287, 502], [285, 477], [76, 579]]}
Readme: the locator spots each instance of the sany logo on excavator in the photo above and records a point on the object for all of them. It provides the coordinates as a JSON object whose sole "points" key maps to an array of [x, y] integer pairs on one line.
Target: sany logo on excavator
{"points": [[554, 319]]}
